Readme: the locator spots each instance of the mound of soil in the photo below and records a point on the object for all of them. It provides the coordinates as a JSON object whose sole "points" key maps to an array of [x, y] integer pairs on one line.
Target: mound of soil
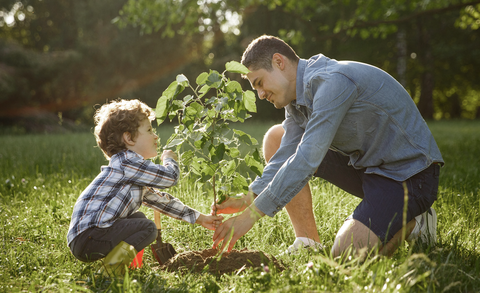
{"points": [[229, 262]]}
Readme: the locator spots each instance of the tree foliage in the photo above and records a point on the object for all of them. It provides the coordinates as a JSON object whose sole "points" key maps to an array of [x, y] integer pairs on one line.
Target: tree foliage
{"points": [[67, 56], [410, 32], [210, 150]]}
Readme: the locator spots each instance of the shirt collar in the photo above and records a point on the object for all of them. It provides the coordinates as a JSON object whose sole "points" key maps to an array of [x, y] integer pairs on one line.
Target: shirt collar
{"points": [[302, 64]]}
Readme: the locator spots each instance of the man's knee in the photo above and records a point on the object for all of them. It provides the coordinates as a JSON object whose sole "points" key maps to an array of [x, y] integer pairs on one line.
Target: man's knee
{"points": [[354, 238], [272, 140]]}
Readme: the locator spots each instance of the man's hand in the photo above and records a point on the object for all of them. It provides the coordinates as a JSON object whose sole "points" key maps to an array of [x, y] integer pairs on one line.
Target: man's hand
{"points": [[210, 222], [233, 205], [236, 227]]}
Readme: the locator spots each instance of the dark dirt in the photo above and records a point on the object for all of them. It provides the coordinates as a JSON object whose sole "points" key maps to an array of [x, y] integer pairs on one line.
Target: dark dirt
{"points": [[196, 261]]}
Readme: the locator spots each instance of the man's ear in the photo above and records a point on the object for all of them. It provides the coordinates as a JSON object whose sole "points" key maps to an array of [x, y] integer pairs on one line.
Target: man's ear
{"points": [[127, 139], [278, 60]]}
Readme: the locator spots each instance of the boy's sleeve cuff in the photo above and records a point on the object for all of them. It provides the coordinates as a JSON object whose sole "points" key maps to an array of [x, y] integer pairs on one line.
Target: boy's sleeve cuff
{"points": [[192, 220]]}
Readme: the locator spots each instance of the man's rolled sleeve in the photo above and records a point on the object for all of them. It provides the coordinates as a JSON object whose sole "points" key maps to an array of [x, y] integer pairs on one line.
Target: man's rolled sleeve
{"points": [[266, 202], [258, 186]]}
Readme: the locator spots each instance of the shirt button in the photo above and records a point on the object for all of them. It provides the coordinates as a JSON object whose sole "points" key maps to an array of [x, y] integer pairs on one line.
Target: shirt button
{"points": [[274, 212]]}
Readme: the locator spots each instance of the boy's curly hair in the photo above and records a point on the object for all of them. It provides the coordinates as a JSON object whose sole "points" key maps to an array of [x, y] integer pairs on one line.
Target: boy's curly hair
{"points": [[115, 118]]}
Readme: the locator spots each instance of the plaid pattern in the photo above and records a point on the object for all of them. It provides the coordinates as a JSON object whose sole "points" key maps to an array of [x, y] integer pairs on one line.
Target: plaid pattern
{"points": [[122, 187]]}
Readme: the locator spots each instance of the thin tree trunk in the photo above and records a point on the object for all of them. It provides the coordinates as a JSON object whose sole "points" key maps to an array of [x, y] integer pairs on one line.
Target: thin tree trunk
{"points": [[425, 105], [402, 56]]}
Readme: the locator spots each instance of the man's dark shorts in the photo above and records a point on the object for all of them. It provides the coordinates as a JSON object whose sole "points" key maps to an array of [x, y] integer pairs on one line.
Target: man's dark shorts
{"points": [[382, 205]]}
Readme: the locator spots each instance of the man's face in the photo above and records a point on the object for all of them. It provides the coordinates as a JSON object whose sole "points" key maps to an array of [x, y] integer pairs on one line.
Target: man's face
{"points": [[273, 86]]}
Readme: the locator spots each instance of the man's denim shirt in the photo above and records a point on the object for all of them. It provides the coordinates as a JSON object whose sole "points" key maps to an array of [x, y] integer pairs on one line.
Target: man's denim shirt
{"points": [[349, 107]]}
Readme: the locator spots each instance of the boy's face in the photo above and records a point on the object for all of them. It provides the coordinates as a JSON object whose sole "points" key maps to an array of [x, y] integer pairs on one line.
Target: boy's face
{"points": [[145, 144]]}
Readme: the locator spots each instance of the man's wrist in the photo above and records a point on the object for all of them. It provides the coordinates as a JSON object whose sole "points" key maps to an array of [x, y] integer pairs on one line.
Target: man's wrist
{"points": [[249, 198], [255, 213]]}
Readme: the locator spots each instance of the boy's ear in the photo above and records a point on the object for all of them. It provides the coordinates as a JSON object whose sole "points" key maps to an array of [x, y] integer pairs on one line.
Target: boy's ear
{"points": [[127, 138]]}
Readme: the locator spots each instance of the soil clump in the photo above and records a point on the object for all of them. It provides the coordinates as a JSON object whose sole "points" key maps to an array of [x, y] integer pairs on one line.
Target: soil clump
{"points": [[229, 262]]}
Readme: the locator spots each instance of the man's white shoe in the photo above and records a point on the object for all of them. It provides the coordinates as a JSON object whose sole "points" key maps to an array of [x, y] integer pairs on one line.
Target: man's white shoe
{"points": [[299, 244], [425, 228]]}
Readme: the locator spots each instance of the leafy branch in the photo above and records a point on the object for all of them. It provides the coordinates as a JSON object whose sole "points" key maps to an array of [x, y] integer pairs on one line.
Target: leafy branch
{"points": [[209, 149]]}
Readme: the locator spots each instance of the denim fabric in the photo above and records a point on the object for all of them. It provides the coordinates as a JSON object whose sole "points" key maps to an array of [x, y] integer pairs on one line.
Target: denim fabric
{"points": [[355, 109], [381, 208], [95, 243]]}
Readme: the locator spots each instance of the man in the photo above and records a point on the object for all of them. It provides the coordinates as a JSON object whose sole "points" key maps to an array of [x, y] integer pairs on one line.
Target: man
{"points": [[351, 124]]}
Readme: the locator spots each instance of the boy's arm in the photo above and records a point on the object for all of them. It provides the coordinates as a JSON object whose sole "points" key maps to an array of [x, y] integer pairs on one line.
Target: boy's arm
{"points": [[170, 206], [146, 173]]}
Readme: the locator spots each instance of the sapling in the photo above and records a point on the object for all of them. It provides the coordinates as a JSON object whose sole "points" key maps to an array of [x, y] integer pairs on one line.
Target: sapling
{"points": [[209, 150]]}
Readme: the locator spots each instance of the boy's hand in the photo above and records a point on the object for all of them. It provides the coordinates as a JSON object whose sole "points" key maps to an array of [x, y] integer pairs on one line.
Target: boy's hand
{"points": [[210, 222], [233, 205], [168, 154]]}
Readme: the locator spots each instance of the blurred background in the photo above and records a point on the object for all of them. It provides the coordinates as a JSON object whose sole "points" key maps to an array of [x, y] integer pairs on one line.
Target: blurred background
{"points": [[60, 59]]}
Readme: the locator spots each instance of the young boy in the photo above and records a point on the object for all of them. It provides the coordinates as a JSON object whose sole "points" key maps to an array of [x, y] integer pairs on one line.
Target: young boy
{"points": [[105, 221]]}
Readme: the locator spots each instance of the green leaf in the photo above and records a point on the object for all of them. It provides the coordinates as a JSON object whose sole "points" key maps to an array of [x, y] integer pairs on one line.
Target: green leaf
{"points": [[255, 165], [171, 90], [199, 143], [249, 100], [194, 110], [240, 111], [204, 89], [221, 198], [229, 168], [233, 86], [208, 171], [161, 110], [233, 152], [217, 152], [187, 157], [246, 138], [196, 167], [256, 156], [187, 98], [239, 182], [214, 79], [183, 80], [174, 142], [236, 67], [202, 78]]}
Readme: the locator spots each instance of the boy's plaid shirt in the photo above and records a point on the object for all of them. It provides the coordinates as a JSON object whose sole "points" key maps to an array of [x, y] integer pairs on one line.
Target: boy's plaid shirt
{"points": [[121, 187]]}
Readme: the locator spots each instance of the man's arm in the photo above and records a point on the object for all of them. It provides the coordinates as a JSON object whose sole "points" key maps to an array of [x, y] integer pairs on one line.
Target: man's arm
{"points": [[331, 102]]}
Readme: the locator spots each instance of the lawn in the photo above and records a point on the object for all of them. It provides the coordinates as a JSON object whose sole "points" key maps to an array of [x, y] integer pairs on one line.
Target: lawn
{"points": [[41, 177]]}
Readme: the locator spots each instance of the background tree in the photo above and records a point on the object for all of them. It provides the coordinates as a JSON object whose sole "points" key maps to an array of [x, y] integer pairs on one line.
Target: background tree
{"points": [[66, 56], [410, 36]]}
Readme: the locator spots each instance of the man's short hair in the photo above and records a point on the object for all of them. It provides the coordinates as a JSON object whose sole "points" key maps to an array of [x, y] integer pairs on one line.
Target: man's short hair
{"points": [[259, 52], [115, 118]]}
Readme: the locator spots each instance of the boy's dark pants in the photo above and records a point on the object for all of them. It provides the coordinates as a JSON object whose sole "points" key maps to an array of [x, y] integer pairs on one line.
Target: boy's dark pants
{"points": [[96, 243]]}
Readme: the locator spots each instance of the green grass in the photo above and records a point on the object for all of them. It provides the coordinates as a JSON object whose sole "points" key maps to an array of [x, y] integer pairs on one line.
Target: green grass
{"points": [[42, 176]]}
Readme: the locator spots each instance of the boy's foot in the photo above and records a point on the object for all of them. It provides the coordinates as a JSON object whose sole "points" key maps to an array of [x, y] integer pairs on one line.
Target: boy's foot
{"points": [[425, 228], [299, 244]]}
